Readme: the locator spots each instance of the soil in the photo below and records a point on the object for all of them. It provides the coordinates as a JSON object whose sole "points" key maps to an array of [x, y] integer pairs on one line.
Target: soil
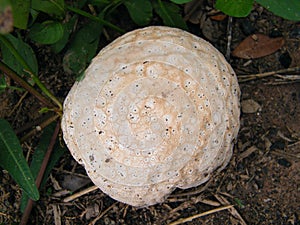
{"points": [[262, 181]]}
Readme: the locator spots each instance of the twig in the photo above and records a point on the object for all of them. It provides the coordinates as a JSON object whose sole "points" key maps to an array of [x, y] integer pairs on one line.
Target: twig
{"points": [[56, 214], [95, 18], [229, 37], [18, 103], [286, 154], [233, 211], [41, 126], [78, 194], [184, 220], [244, 78], [12, 74], [102, 214], [198, 191], [29, 125], [29, 71], [40, 175]]}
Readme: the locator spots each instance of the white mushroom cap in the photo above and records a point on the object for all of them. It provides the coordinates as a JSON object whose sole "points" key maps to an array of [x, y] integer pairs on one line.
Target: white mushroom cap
{"points": [[158, 109]]}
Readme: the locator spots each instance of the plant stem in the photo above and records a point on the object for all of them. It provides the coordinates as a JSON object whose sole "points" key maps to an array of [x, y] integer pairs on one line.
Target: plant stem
{"points": [[42, 126], [95, 18], [27, 69], [14, 51], [12, 74], [46, 91], [29, 205]]}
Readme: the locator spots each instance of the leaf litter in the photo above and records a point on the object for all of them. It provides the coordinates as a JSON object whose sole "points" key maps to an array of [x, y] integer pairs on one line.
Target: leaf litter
{"points": [[256, 46]]}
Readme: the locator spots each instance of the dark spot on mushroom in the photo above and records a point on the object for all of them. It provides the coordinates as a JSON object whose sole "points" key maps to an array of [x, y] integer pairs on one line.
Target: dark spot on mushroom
{"points": [[91, 157]]}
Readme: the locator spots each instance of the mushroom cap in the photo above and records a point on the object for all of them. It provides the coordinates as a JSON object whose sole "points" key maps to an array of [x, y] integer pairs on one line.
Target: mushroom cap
{"points": [[157, 109]]}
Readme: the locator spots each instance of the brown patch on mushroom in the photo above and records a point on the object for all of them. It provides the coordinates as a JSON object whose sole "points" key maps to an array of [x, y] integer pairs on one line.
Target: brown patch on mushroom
{"points": [[167, 106]]}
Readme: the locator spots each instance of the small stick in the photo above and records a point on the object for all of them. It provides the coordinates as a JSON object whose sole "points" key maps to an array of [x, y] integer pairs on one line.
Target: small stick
{"points": [[187, 219], [13, 75], [229, 38], [79, 194], [102, 214], [18, 103], [40, 175], [41, 126], [233, 211], [244, 78]]}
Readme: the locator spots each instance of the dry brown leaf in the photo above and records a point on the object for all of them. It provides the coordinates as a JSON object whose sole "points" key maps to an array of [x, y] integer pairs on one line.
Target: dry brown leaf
{"points": [[219, 17], [193, 11], [6, 20], [256, 46]]}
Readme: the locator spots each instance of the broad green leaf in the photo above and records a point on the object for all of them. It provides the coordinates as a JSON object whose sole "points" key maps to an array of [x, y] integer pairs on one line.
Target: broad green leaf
{"points": [[83, 48], [180, 1], [54, 7], [4, 4], [287, 9], [48, 32], [38, 157], [235, 8], [22, 49], [33, 17], [140, 11], [12, 160], [68, 28], [20, 10], [170, 13]]}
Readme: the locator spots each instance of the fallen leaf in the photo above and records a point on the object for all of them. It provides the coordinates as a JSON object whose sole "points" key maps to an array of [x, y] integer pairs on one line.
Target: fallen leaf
{"points": [[256, 46], [250, 106], [6, 20], [219, 17], [73, 182], [193, 11]]}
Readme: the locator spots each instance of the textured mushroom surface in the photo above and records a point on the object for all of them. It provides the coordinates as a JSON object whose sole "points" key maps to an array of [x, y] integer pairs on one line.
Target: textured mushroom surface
{"points": [[158, 109]]}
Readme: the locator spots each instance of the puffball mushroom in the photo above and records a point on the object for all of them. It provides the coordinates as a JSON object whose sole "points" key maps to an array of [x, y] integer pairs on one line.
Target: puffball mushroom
{"points": [[157, 109]]}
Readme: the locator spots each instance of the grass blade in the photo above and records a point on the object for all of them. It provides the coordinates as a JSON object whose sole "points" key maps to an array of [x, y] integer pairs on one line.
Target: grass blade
{"points": [[12, 160]]}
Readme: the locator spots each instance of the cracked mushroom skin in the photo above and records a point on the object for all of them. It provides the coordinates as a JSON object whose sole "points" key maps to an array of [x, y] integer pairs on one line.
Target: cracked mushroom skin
{"points": [[157, 109]]}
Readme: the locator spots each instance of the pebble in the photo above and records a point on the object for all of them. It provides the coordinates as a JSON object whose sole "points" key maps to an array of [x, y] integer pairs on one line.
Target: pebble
{"points": [[250, 106]]}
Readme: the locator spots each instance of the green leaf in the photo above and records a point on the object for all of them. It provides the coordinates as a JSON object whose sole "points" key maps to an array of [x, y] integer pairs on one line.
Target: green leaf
{"points": [[22, 49], [54, 7], [20, 10], [68, 28], [82, 48], [180, 1], [48, 32], [38, 157], [235, 8], [140, 11], [3, 85], [100, 3], [287, 9], [12, 160], [170, 13]]}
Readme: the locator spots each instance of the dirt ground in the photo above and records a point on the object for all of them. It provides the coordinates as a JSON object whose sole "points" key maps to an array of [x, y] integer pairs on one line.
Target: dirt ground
{"points": [[262, 181]]}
